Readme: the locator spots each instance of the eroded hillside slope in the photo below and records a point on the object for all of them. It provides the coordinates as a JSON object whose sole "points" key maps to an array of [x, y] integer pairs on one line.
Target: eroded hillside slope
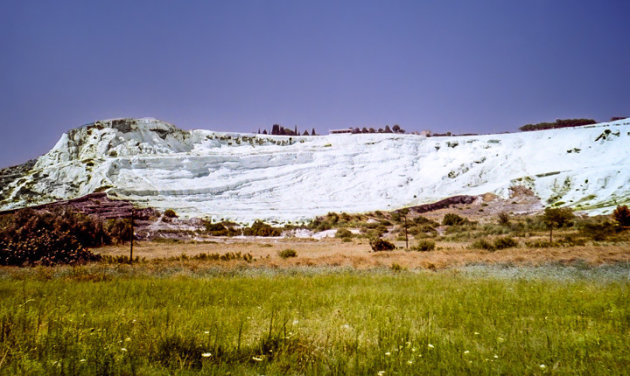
{"points": [[244, 177]]}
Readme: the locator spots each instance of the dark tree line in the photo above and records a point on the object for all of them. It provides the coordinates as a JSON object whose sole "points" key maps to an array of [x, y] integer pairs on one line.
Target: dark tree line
{"points": [[395, 129], [279, 130], [559, 123]]}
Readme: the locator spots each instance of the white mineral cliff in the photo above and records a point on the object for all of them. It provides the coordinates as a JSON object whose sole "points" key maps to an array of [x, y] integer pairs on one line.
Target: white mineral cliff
{"points": [[243, 177]]}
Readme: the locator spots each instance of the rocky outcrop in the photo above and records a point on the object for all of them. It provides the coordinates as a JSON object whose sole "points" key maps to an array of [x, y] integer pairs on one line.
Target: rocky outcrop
{"points": [[443, 204], [98, 204]]}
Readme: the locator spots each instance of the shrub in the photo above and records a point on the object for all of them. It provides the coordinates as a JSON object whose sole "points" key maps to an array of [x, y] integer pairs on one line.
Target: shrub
{"points": [[597, 230], [425, 245], [452, 219], [483, 244], [505, 242], [343, 233], [572, 240], [287, 253], [373, 230], [48, 238], [170, 213], [332, 217], [381, 245], [539, 243], [221, 228], [420, 231], [216, 229], [88, 230], [622, 215], [504, 219], [260, 228], [420, 220], [397, 267], [119, 230]]}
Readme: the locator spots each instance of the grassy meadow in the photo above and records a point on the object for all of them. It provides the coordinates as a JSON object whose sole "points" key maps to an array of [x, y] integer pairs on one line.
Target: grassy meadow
{"points": [[480, 320]]}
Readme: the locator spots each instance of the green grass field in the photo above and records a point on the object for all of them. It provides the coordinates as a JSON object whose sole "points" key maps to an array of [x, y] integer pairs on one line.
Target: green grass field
{"points": [[490, 320]]}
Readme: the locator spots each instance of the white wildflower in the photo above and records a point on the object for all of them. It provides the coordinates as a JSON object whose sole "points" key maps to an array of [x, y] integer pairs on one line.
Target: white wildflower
{"points": [[430, 346], [206, 355], [542, 366]]}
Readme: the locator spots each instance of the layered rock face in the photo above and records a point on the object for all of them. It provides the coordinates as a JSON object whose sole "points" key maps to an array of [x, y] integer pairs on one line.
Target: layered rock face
{"points": [[244, 177]]}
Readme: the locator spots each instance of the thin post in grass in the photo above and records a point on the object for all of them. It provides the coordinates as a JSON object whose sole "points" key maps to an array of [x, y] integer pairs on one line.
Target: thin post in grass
{"points": [[406, 236], [404, 213], [131, 239]]}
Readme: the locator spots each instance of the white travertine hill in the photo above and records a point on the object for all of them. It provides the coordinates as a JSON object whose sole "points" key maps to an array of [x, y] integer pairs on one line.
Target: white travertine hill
{"points": [[243, 177]]}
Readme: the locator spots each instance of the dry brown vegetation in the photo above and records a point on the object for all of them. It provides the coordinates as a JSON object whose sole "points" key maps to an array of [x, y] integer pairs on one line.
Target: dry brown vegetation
{"points": [[358, 254]]}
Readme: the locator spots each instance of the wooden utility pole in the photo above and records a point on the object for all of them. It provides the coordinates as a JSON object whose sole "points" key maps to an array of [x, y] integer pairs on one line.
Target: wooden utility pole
{"points": [[131, 239], [406, 237], [404, 213]]}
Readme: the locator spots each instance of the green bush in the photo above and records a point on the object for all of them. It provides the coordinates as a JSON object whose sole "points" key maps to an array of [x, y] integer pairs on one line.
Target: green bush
{"points": [[259, 228], [420, 220], [505, 242], [572, 240], [539, 243], [381, 245], [425, 246], [597, 230], [483, 244], [373, 230], [504, 219], [397, 267], [216, 229], [119, 230], [222, 228], [343, 233], [287, 253], [452, 219]]}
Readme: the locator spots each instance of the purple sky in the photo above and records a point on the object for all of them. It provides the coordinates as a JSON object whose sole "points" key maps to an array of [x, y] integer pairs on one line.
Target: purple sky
{"points": [[459, 66]]}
